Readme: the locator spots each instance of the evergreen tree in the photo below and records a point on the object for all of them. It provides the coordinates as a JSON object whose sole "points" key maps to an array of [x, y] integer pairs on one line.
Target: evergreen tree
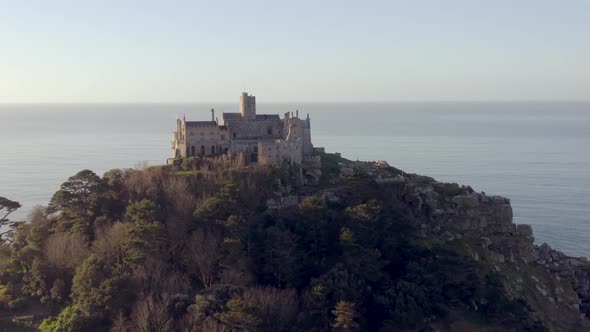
{"points": [[78, 196], [345, 314]]}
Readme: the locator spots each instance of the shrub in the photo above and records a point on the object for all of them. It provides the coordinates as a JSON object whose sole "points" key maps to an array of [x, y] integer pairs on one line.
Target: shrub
{"points": [[68, 320]]}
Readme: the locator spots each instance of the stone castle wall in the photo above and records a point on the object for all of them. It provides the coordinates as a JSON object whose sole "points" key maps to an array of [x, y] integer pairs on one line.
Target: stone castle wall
{"points": [[259, 129], [266, 138]]}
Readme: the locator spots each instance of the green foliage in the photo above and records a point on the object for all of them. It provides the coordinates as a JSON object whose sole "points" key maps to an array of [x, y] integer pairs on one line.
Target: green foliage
{"points": [[218, 208], [209, 303], [355, 263], [68, 320], [212, 209], [143, 211], [239, 315], [36, 280], [281, 256], [147, 236], [78, 196], [329, 162], [5, 296], [7, 207], [98, 290], [188, 163]]}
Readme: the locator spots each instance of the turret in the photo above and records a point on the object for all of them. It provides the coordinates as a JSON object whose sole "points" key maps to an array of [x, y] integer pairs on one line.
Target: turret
{"points": [[248, 106]]}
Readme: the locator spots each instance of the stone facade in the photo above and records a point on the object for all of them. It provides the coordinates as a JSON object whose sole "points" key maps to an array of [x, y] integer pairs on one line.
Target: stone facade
{"points": [[258, 138]]}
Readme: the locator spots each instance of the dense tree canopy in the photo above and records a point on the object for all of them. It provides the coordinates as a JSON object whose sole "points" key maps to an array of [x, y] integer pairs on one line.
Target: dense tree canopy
{"points": [[162, 250]]}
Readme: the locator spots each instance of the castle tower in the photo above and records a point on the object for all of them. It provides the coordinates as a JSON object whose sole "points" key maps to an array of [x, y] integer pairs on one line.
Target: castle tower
{"points": [[248, 106]]}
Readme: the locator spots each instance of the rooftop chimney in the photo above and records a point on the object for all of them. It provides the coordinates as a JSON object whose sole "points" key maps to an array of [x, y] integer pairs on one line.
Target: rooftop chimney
{"points": [[212, 114]]}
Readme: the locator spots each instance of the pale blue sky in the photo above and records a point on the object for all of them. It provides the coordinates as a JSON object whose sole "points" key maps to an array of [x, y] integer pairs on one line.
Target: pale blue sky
{"points": [[182, 51]]}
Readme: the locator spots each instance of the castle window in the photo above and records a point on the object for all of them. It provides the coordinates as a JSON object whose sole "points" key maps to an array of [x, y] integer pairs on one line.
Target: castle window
{"points": [[222, 137], [202, 150], [212, 149], [234, 135], [269, 130], [193, 150]]}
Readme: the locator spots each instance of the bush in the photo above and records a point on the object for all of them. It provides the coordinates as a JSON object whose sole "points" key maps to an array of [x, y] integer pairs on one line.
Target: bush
{"points": [[68, 320], [5, 297]]}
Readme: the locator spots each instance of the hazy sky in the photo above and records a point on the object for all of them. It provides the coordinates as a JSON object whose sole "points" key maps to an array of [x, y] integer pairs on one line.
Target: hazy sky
{"points": [[321, 50]]}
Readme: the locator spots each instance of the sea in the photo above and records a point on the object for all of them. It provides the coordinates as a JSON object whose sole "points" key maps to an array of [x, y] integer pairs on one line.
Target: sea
{"points": [[535, 153]]}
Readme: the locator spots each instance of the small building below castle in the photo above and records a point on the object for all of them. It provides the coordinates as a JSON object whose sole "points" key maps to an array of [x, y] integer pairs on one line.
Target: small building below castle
{"points": [[259, 138]]}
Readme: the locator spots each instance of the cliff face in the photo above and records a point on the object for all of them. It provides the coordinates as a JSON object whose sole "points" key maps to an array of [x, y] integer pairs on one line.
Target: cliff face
{"points": [[486, 222], [554, 285]]}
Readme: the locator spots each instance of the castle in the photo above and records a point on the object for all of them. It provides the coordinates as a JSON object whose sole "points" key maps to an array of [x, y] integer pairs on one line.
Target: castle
{"points": [[265, 139]]}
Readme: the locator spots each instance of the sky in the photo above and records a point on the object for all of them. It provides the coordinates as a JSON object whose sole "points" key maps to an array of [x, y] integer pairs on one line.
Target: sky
{"points": [[283, 51]]}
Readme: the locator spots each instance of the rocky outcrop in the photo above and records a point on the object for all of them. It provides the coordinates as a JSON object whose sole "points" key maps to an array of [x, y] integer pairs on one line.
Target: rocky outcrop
{"points": [[449, 212], [458, 212]]}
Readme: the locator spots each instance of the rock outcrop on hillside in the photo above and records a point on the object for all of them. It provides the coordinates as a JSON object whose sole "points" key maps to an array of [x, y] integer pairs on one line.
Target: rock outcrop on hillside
{"points": [[555, 285], [458, 212]]}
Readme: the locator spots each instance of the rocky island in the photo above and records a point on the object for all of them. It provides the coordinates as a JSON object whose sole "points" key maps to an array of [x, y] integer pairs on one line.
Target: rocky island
{"points": [[214, 245]]}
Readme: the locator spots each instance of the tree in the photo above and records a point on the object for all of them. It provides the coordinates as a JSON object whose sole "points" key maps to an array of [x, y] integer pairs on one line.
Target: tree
{"points": [[280, 256], [36, 280], [365, 262], [345, 314], [240, 315], [276, 308], [98, 290], [147, 236], [7, 207], [65, 250], [109, 242], [68, 320], [143, 210], [325, 292], [219, 207], [151, 315], [318, 235], [115, 194], [208, 304], [120, 323], [78, 196], [204, 254]]}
